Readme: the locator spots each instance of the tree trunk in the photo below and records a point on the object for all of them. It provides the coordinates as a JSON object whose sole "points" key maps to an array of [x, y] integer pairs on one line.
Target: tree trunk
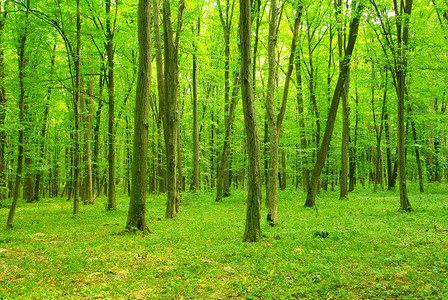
{"points": [[352, 150], [303, 143], [402, 42], [111, 204], [252, 230], [136, 213], [171, 119], [195, 184], [226, 147], [345, 107], [22, 74], [89, 197], [161, 90], [275, 121], [323, 150], [271, 115], [76, 113], [3, 100], [223, 182]]}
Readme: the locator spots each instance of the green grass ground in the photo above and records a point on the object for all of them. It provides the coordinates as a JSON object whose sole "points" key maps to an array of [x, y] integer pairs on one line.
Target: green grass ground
{"points": [[372, 251]]}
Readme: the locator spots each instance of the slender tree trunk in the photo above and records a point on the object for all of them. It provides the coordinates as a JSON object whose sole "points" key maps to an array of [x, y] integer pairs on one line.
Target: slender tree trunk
{"points": [[352, 150], [111, 204], [272, 178], [345, 107], [303, 142], [88, 115], [195, 184], [96, 147], [223, 182], [275, 121], [323, 150], [41, 147], [402, 42], [226, 147], [252, 230], [136, 213], [22, 74], [3, 101], [76, 113], [161, 90]]}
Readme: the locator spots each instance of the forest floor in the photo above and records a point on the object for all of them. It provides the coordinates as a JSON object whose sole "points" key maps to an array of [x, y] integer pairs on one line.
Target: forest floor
{"points": [[372, 251]]}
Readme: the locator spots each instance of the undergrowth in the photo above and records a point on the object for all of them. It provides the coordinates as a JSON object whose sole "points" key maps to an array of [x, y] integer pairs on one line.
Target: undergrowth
{"points": [[369, 251]]}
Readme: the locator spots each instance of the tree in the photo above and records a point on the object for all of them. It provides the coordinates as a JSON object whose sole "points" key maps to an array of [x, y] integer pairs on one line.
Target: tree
{"points": [[323, 150], [137, 206], [110, 31], [171, 107], [3, 101], [195, 184], [275, 121], [22, 64], [345, 107], [222, 186], [252, 230], [398, 67]]}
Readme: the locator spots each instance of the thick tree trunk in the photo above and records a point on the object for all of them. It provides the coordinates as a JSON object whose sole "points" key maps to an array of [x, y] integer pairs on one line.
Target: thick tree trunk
{"points": [[323, 150], [136, 213], [171, 117], [252, 230]]}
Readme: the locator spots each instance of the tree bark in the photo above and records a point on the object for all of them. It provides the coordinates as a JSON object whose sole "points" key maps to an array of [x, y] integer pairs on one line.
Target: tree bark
{"points": [[3, 101], [271, 115], [303, 142], [111, 204], [226, 147], [252, 230], [76, 113], [22, 74], [136, 214], [323, 150], [161, 117], [171, 114], [195, 184]]}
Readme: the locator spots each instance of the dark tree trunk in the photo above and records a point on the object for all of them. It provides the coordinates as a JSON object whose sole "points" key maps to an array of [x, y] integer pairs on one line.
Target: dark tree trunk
{"points": [[252, 230], [171, 108], [111, 204], [22, 75], [136, 213], [3, 100]]}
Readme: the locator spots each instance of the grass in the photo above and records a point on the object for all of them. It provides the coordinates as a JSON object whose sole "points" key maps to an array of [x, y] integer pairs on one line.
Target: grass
{"points": [[372, 251]]}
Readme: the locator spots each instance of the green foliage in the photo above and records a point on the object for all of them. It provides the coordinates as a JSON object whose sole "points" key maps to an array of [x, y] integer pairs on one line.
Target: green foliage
{"points": [[371, 251]]}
